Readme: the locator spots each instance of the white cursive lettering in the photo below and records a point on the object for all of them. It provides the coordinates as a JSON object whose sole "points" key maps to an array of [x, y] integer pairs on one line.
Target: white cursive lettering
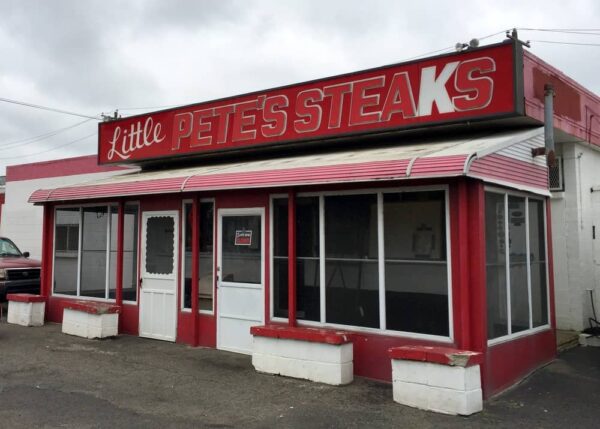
{"points": [[126, 142]]}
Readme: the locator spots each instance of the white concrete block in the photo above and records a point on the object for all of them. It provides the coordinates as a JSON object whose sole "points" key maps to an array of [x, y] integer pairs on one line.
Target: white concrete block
{"points": [[26, 313], [411, 394], [450, 401], [435, 387], [88, 325], [454, 377], [304, 350], [438, 399], [409, 371], [322, 372], [324, 363]]}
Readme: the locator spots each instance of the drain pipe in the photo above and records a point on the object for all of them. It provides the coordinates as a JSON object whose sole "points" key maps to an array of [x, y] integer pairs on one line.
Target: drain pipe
{"points": [[549, 124]]}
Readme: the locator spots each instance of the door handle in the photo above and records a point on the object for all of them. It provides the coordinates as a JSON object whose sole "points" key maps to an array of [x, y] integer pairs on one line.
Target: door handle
{"points": [[141, 282]]}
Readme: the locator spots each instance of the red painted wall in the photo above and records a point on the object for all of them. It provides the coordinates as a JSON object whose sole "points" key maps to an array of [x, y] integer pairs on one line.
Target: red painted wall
{"points": [[507, 363], [57, 168], [576, 109]]}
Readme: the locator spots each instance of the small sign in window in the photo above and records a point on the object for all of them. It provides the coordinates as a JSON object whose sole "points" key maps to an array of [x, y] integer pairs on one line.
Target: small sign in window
{"points": [[243, 237]]}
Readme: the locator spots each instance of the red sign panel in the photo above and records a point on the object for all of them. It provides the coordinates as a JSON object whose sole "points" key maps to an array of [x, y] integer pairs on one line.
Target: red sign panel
{"points": [[452, 88]]}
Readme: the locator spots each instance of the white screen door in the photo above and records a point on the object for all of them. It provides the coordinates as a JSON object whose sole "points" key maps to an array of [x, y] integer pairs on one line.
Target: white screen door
{"points": [[158, 289], [240, 301]]}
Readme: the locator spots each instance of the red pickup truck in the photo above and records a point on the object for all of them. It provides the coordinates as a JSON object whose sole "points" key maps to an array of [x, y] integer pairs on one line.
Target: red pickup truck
{"points": [[18, 273]]}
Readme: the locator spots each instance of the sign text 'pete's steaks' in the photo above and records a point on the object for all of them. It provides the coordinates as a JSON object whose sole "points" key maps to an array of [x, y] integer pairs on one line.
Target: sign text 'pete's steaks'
{"points": [[451, 88]]}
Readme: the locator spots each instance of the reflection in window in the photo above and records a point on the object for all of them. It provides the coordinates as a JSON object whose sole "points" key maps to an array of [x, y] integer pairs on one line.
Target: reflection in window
{"points": [[416, 270], [206, 258], [160, 252], [66, 250], [517, 239], [94, 226], [537, 250], [307, 258], [351, 260], [495, 251]]}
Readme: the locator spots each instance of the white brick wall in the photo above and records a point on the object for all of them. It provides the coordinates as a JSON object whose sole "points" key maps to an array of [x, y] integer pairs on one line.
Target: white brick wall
{"points": [[576, 254]]}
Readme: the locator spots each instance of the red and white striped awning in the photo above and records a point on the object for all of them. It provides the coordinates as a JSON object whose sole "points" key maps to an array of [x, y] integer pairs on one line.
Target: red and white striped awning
{"points": [[503, 157]]}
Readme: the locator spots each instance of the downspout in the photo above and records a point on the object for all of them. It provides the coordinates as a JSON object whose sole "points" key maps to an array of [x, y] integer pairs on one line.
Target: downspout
{"points": [[549, 124]]}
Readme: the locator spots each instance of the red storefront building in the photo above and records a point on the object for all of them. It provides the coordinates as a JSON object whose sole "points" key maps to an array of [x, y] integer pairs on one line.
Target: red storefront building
{"points": [[403, 205]]}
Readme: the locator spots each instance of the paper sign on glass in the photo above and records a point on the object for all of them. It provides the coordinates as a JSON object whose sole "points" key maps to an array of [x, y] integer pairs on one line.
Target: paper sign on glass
{"points": [[243, 238]]}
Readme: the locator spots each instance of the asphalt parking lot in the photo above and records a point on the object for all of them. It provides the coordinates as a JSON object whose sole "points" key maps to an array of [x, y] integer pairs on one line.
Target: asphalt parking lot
{"points": [[51, 380]]}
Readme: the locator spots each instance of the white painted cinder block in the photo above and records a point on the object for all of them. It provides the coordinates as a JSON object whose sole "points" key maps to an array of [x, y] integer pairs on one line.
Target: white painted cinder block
{"points": [[324, 363], [87, 325], [26, 313], [441, 388]]}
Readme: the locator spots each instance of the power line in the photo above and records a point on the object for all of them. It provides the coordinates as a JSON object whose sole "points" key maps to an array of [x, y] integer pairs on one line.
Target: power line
{"points": [[591, 31], [565, 43], [150, 107], [450, 48], [40, 137], [50, 150], [50, 109]]}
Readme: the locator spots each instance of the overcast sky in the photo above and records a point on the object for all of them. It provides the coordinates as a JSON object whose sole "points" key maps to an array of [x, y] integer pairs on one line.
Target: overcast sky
{"points": [[93, 56]]}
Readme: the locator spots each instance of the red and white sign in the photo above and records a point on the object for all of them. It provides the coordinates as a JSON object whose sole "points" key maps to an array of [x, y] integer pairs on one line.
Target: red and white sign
{"points": [[452, 88], [243, 238]]}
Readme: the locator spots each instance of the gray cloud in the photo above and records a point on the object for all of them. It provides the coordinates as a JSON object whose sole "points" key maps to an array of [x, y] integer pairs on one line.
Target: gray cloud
{"points": [[93, 56]]}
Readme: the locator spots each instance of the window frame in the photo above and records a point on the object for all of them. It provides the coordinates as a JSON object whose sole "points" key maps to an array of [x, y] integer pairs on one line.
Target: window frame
{"points": [[379, 192], [109, 205], [532, 330], [182, 307]]}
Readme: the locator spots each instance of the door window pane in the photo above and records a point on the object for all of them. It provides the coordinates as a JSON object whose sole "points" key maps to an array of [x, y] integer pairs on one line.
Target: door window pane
{"points": [[187, 255], [66, 251], [416, 271], [94, 224], [495, 243], [206, 262], [160, 236], [307, 258], [519, 294], [242, 252], [351, 260], [537, 250], [112, 259], [207, 248]]}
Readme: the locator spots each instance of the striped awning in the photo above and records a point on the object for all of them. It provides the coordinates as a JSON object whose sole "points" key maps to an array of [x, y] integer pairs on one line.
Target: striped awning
{"points": [[502, 157]]}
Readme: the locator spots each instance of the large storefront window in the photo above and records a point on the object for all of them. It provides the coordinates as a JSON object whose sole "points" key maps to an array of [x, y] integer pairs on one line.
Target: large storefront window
{"points": [[517, 298], [85, 251], [206, 256], [385, 261]]}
